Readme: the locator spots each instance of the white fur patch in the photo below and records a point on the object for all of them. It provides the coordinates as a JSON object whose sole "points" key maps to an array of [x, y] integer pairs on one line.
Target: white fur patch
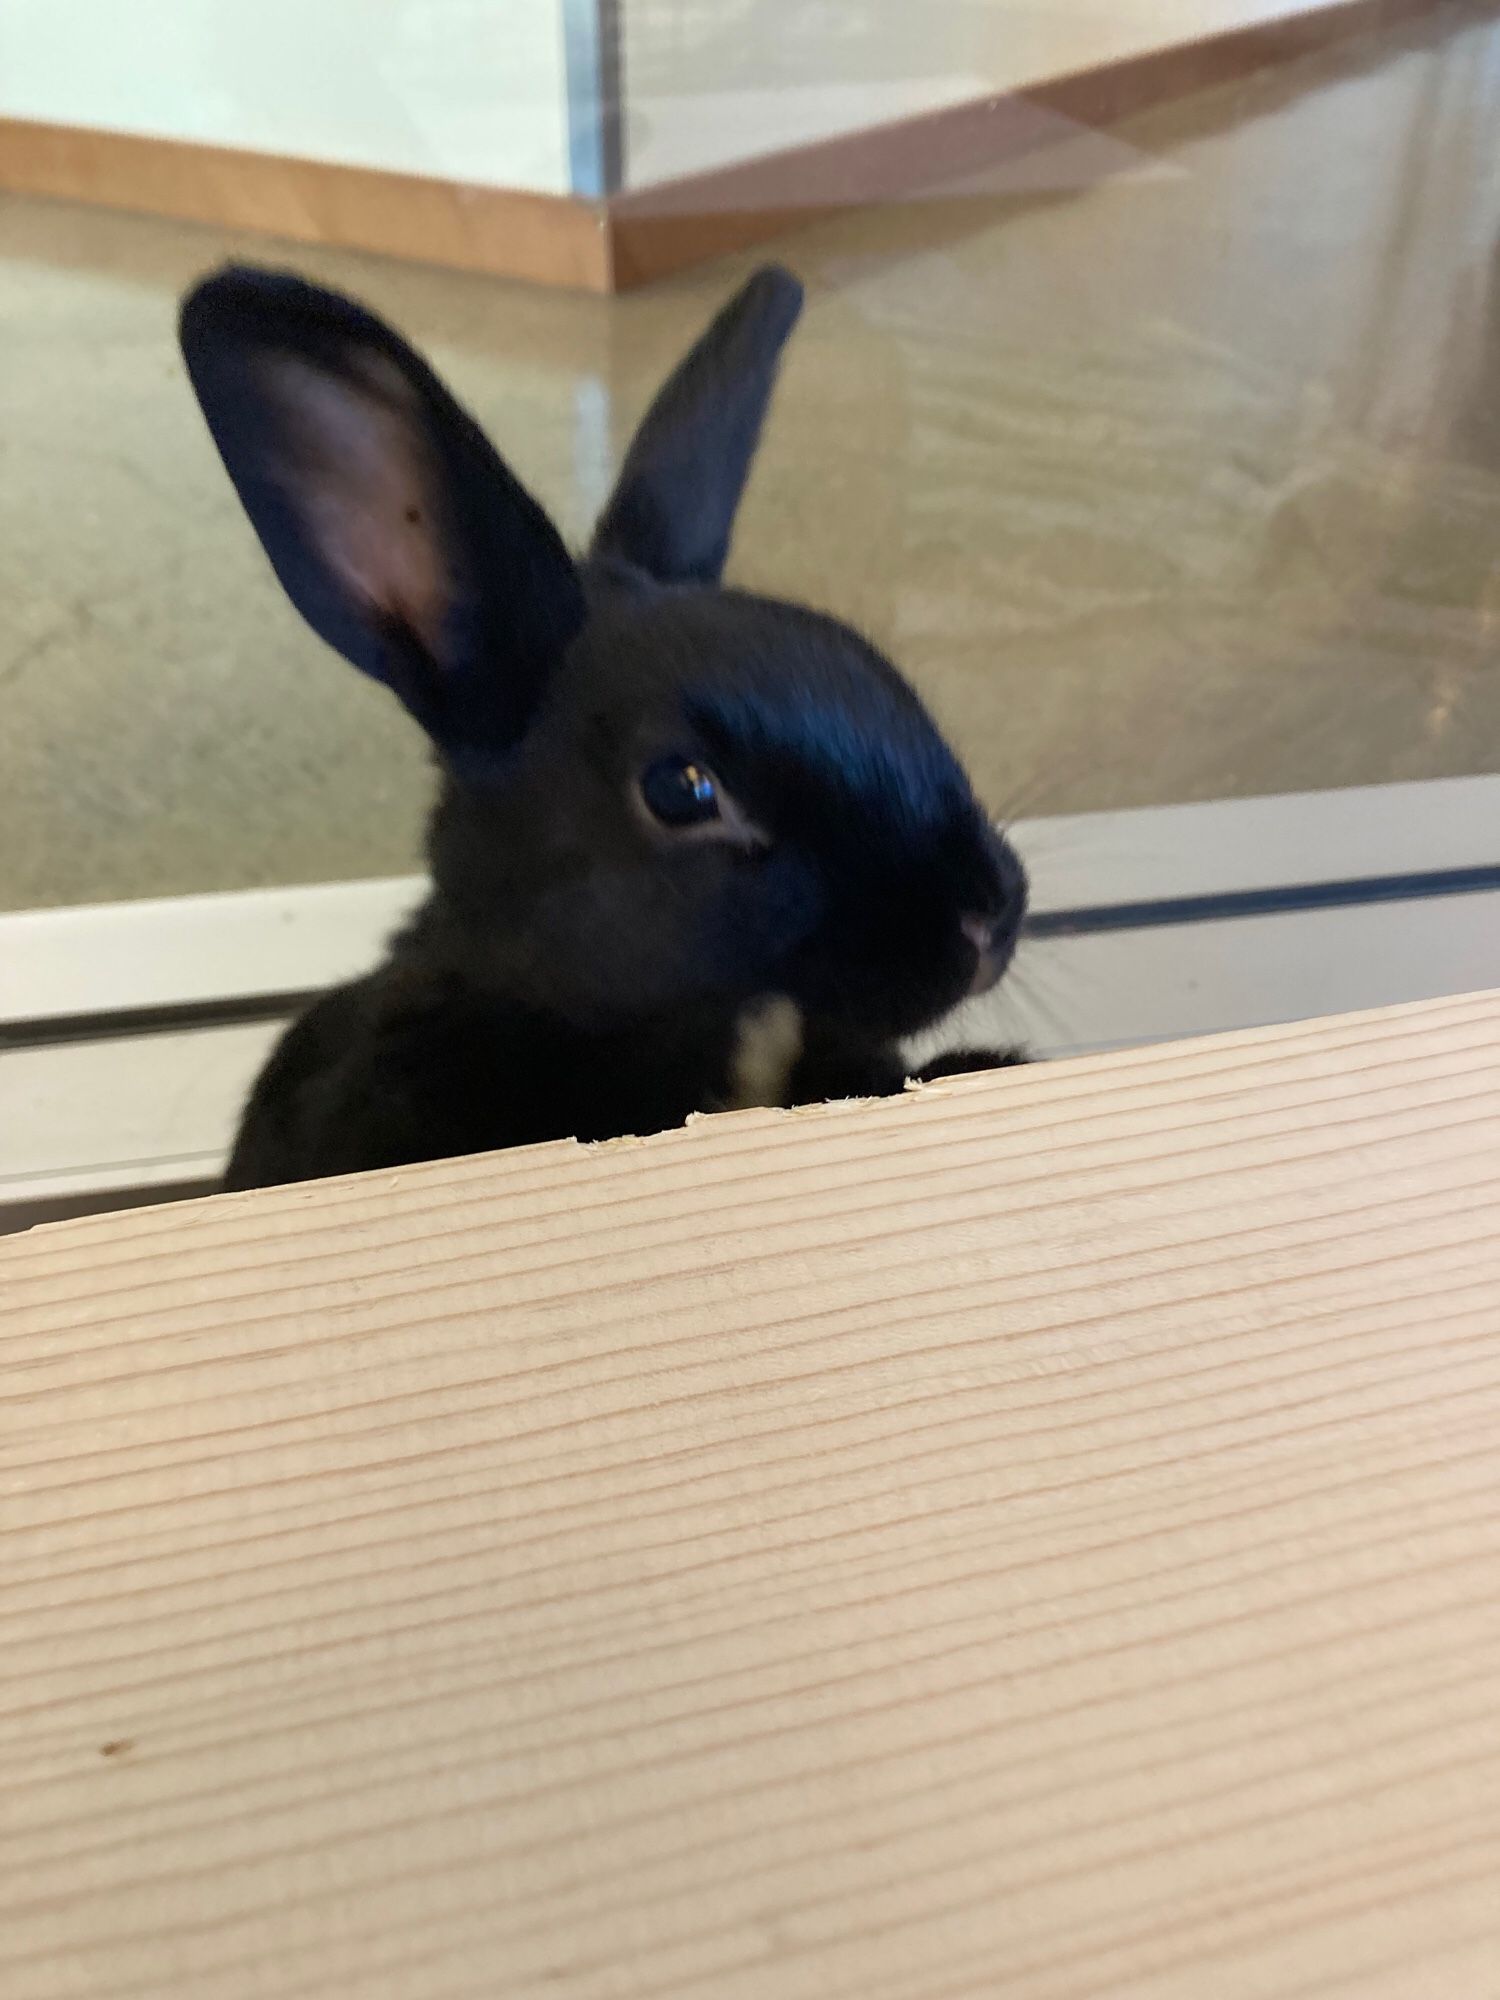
{"points": [[768, 1041]]}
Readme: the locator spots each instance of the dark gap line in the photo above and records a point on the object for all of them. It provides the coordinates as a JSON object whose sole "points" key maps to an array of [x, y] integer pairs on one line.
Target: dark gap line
{"points": [[1287, 900], [1096, 920], [230, 1012]]}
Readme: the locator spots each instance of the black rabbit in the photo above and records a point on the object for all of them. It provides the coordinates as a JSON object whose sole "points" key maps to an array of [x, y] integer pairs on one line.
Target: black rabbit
{"points": [[693, 848]]}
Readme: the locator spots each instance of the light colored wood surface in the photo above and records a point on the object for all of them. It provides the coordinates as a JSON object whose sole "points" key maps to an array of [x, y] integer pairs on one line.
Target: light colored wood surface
{"points": [[550, 239], [1038, 1537]]}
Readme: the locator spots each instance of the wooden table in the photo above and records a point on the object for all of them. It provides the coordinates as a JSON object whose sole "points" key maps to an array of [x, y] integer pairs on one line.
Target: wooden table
{"points": [[1036, 1538]]}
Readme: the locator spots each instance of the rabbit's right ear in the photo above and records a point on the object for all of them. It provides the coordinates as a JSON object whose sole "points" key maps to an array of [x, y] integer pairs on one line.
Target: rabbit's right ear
{"points": [[673, 507], [395, 529]]}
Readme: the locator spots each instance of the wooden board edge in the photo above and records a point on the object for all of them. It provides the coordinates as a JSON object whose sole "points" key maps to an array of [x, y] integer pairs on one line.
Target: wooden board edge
{"points": [[173, 1181]]}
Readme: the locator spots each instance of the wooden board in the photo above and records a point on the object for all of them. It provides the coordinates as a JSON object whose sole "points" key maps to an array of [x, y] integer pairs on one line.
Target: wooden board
{"points": [[1037, 1537]]}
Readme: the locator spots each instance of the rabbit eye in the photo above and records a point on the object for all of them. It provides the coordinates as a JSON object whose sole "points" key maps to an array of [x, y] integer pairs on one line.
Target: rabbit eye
{"points": [[680, 792]]}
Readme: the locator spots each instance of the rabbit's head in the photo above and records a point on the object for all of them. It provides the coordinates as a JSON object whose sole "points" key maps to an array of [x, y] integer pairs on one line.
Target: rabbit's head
{"points": [[657, 791]]}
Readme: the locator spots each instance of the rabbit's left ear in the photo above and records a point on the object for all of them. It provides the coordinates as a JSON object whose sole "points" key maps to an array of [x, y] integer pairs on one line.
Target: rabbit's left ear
{"points": [[673, 508], [394, 527]]}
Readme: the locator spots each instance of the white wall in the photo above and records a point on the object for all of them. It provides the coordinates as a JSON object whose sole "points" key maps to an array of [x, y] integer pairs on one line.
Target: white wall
{"points": [[470, 90], [475, 90], [711, 81]]}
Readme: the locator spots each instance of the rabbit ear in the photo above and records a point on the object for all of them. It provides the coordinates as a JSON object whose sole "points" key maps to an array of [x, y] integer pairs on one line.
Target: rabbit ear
{"points": [[394, 527], [674, 504]]}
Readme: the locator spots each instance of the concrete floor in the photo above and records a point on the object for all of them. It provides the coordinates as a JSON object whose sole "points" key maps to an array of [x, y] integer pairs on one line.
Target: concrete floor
{"points": [[1175, 484]]}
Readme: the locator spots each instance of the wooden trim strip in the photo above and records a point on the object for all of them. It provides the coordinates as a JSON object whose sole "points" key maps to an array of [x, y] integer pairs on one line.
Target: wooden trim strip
{"points": [[549, 239]]}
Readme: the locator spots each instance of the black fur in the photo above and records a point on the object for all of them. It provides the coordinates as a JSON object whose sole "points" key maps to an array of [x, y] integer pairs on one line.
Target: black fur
{"points": [[579, 969]]}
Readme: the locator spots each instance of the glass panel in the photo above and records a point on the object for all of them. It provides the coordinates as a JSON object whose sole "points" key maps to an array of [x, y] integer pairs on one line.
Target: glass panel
{"points": [[711, 82], [462, 89], [171, 725], [1165, 458]]}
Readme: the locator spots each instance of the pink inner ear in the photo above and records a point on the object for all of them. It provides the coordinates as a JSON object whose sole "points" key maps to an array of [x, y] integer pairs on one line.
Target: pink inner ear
{"points": [[361, 475]]}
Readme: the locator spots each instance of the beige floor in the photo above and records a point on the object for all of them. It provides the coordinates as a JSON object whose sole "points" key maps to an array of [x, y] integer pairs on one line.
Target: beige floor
{"points": [[1179, 484]]}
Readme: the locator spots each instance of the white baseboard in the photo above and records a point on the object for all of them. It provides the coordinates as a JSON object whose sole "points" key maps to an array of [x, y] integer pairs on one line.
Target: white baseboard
{"points": [[111, 960]]}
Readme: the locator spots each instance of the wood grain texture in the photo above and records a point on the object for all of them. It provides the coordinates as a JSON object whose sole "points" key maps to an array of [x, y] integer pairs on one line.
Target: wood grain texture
{"points": [[1038, 1537]]}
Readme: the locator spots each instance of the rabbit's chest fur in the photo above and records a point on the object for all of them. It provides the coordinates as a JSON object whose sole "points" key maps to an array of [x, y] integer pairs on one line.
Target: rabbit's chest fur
{"points": [[394, 1068]]}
